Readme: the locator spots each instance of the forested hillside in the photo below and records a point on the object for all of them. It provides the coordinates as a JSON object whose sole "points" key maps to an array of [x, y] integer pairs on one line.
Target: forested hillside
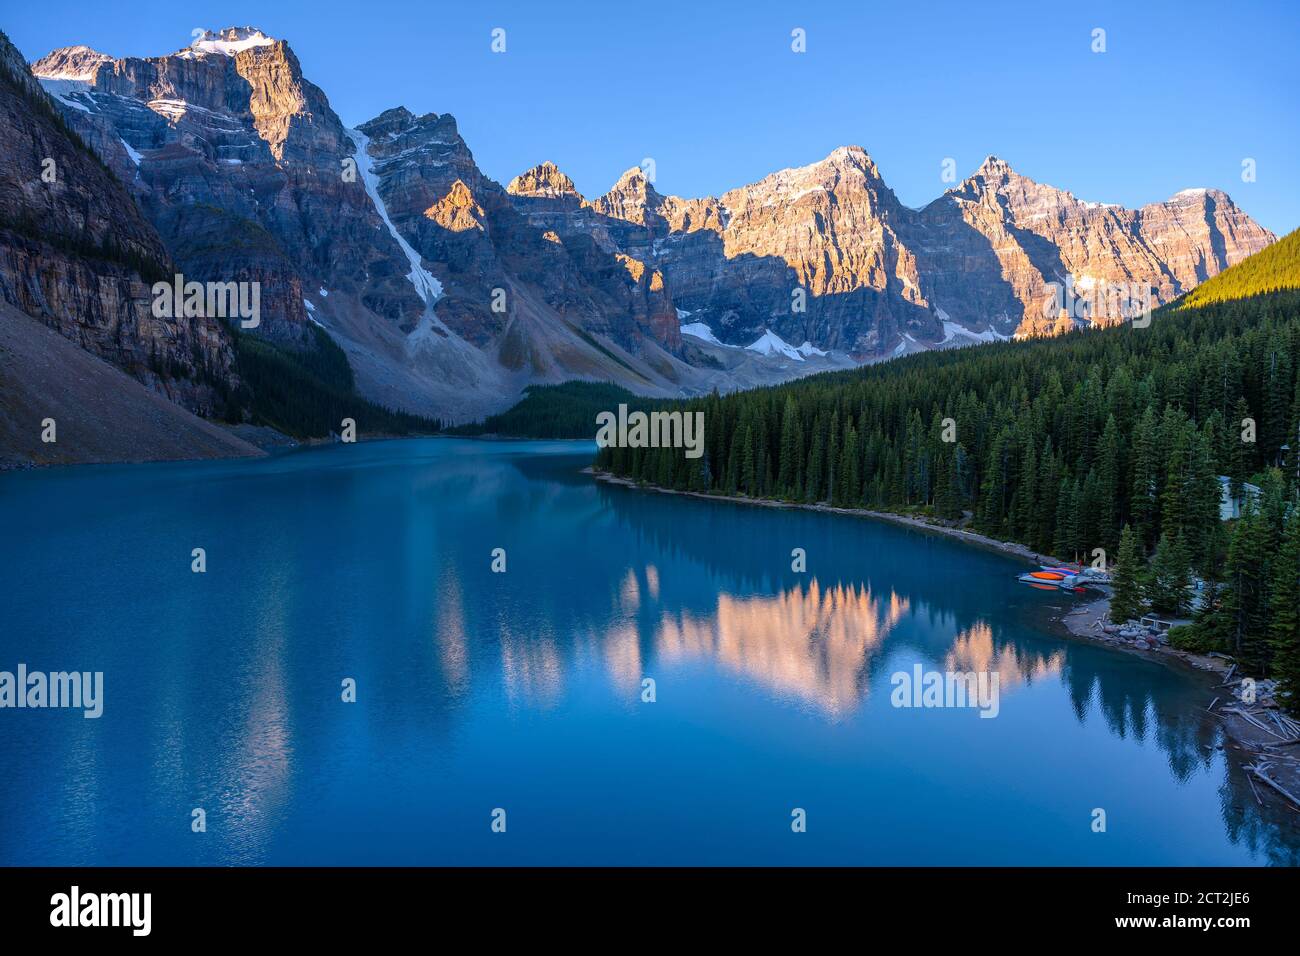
{"points": [[1062, 444], [308, 392], [1276, 271]]}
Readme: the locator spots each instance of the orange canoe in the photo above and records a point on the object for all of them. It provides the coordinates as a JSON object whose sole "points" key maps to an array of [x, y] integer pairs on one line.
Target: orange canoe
{"points": [[1047, 575]]}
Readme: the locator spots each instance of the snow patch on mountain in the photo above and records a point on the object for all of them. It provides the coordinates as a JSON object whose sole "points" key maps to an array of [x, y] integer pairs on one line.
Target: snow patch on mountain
{"points": [[131, 151], [228, 42], [65, 90], [428, 288], [769, 343], [311, 313], [172, 109], [951, 330], [700, 330]]}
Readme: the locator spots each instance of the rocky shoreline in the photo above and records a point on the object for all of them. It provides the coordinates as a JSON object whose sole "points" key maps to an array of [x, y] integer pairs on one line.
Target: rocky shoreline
{"points": [[952, 531], [1260, 738], [1261, 749]]}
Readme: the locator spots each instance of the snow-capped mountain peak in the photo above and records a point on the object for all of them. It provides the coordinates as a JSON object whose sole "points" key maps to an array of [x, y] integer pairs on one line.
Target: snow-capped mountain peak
{"points": [[230, 41], [77, 63]]}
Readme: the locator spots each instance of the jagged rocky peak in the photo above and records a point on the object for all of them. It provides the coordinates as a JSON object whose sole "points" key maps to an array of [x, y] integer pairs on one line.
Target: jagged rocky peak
{"points": [[851, 156], [400, 128], [227, 42], [634, 178], [425, 155], [630, 198], [844, 163], [225, 144], [543, 181], [996, 184], [1200, 205], [389, 122], [457, 211], [84, 202], [70, 63], [1199, 196], [201, 96], [994, 167], [845, 169], [790, 196], [993, 175]]}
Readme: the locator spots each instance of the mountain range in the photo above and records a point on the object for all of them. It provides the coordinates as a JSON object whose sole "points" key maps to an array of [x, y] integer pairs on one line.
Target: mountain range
{"points": [[450, 293]]}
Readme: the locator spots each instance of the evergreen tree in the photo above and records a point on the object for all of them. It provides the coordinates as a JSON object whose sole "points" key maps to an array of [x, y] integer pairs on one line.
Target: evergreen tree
{"points": [[1167, 584], [1241, 453], [1026, 495], [748, 467], [1284, 613], [1126, 579], [848, 487], [1145, 481], [787, 481], [813, 483], [1064, 543], [1245, 602], [1108, 482]]}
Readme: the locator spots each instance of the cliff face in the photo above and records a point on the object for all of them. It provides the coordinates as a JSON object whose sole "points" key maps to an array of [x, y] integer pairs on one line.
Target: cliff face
{"points": [[622, 284], [76, 253], [1039, 235], [389, 235], [450, 293], [481, 238], [243, 168], [825, 253], [832, 230]]}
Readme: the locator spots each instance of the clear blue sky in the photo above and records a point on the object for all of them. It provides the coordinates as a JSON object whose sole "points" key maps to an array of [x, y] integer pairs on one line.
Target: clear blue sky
{"points": [[712, 92]]}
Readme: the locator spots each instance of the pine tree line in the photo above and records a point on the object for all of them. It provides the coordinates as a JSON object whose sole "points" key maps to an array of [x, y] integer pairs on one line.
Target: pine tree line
{"points": [[1059, 444]]}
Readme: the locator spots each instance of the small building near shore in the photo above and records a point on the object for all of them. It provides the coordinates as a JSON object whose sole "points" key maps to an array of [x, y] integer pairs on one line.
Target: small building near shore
{"points": [[1230, 507], [1163, 622]]}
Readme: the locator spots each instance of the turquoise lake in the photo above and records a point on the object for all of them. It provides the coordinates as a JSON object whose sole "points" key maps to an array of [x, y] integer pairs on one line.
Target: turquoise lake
{"points": [[522, 690]]}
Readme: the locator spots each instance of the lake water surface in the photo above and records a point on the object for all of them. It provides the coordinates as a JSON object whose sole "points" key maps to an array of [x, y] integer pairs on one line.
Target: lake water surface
{"points": [[523, 690]]}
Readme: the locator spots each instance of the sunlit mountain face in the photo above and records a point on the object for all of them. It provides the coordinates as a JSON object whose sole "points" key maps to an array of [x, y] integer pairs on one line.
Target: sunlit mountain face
{"points": [[223, 160]]}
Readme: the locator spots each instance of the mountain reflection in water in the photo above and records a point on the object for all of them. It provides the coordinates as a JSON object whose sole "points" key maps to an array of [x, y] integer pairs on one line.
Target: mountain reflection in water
{"points": [[526, 689]]}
